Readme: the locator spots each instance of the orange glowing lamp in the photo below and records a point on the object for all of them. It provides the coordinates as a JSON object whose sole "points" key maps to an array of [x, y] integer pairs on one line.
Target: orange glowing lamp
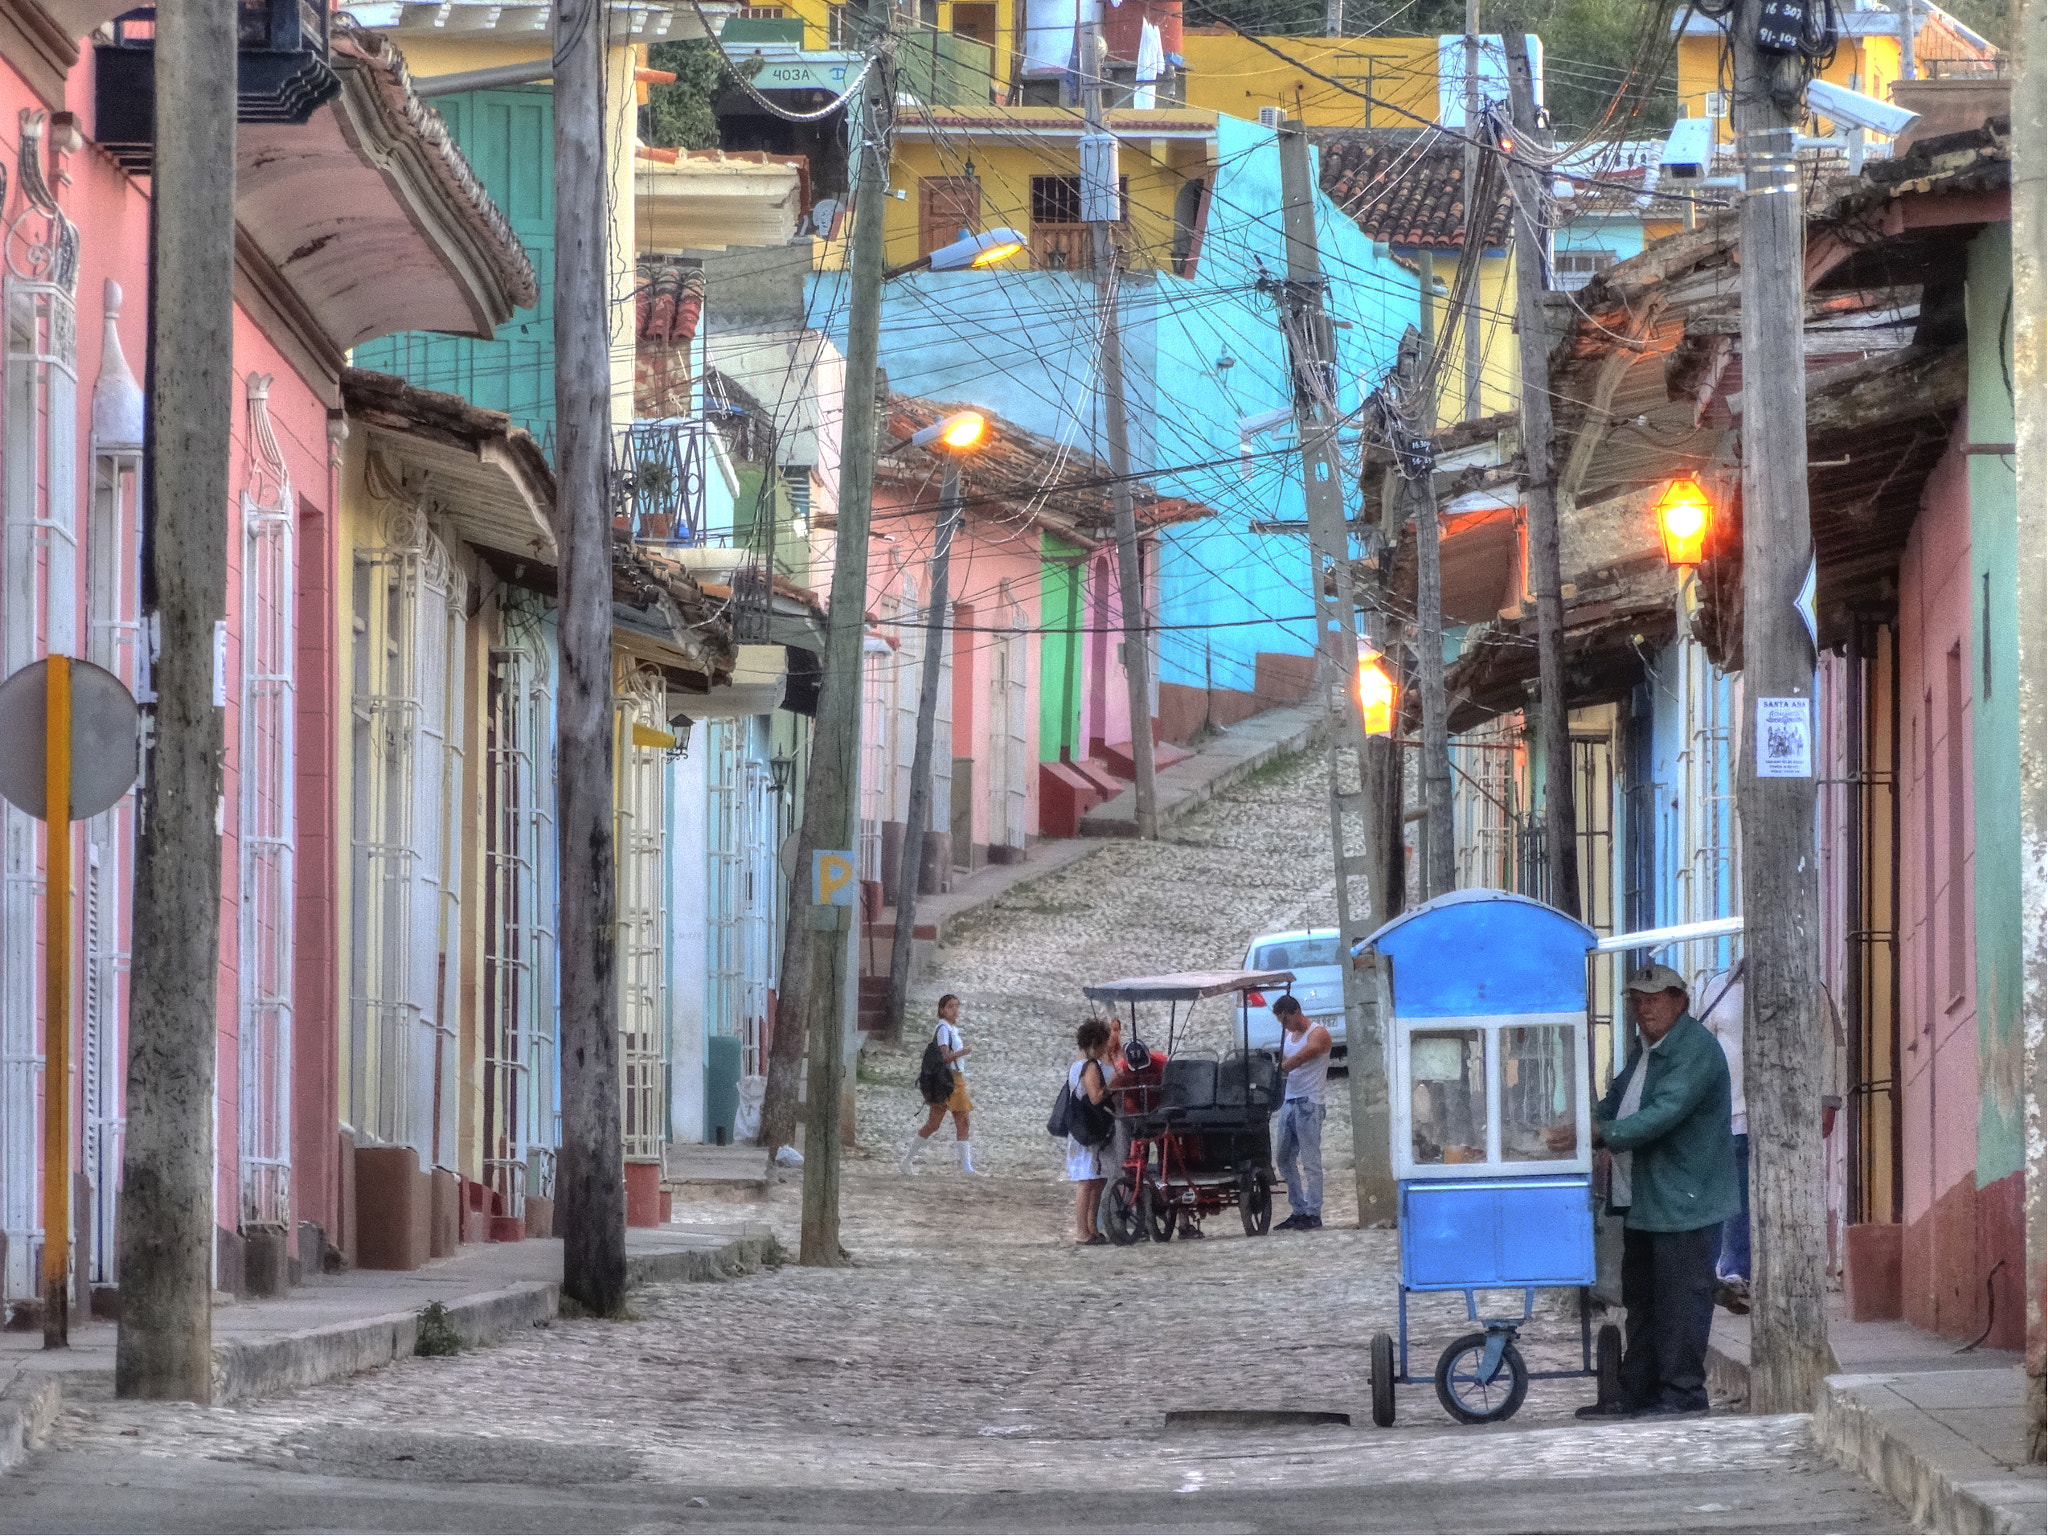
{"points": [[1377, 694], [1684, 517]]}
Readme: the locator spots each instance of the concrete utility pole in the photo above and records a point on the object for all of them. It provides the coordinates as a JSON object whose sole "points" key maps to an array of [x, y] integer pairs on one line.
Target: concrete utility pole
{"points": [[910, 865], [1475, 220], [1539, 479], [2030, 389], [590, 1185], [1356, 828], [1333, 18], [1101, 198], [164, 1344], [1775, 775], [1440, 861], [832, 787]]}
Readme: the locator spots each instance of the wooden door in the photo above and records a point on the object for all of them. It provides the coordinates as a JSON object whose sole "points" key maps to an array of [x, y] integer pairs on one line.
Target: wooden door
{"points": [[946, 206]]}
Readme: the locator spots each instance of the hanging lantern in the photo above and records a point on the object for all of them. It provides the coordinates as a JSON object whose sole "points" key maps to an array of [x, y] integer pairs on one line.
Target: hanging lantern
{"points": [[1684, 517], [1377, 694]]}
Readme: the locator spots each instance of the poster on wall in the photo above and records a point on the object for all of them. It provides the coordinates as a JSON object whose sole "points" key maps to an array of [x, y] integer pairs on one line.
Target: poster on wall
{"points": [[1784, 738]]}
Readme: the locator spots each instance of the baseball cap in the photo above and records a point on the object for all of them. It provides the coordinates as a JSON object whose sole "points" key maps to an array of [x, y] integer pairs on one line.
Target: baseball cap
{"points": [[1655, 978]]}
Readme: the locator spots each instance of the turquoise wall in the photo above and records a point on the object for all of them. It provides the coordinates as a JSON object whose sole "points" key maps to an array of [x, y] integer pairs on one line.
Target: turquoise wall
{"points": [[1994, 641]]}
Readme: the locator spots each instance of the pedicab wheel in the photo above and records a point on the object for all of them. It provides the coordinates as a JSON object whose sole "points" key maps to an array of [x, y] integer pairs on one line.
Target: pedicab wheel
{"points": [[1383, 1380], [1255, 1202], [1155, 1215], [1607, 1363], [1472, 1401], [1121, 1218]]}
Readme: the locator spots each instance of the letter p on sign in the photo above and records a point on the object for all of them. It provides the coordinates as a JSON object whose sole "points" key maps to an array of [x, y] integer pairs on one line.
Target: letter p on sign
{"points": [[832, 881]]}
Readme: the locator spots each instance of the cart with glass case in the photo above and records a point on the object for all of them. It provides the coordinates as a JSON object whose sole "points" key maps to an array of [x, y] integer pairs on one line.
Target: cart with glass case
{"points": [[1491, 1120]]}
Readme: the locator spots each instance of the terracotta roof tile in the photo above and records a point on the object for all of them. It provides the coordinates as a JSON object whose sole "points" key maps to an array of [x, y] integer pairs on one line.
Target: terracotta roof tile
{"points": [[1405, 186]]}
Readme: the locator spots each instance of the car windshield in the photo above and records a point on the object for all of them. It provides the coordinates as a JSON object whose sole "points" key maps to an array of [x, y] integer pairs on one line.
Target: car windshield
{"points": [[1296, 954]]}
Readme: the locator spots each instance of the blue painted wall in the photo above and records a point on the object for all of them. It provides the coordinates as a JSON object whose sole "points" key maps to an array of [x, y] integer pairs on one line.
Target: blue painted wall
{"points": [[1023, 344]]}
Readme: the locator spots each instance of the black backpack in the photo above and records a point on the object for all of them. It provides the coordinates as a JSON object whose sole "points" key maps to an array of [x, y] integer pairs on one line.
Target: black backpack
{"points": [[934, 1073], [1076, 1115]]}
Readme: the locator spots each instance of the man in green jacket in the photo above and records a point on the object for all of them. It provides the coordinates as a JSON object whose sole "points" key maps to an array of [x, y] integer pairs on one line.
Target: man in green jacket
{"points": [[1666, 1120]]}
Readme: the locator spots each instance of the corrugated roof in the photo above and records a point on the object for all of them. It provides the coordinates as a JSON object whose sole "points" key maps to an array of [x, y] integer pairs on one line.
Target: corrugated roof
{"points": [[1405, 186]]}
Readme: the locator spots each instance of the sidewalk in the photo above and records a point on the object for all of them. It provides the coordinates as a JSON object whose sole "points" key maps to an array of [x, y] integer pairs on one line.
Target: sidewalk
{"points": [[334, 1326], [1937, 1430]]}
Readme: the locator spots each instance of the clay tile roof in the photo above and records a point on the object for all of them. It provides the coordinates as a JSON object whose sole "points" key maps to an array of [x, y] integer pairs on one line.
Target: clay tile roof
{"points": [[1405, 186], [354, 48], [667, 301]]}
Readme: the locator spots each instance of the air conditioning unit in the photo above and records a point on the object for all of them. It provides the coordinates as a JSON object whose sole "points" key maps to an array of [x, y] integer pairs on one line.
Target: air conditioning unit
{"points": [[1717, 103], [1272, 117]]}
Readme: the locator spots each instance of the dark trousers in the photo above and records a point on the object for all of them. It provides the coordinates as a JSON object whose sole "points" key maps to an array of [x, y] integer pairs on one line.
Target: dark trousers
{"points": [[1667, 1284]]}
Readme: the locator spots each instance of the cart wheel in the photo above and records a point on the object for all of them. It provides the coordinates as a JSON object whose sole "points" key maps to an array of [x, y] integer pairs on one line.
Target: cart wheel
{"points": [[1472, 1401], [1155, 1215], [1255, 1202], [1121, 1218], [1383, 1380], [1607, 1363]]}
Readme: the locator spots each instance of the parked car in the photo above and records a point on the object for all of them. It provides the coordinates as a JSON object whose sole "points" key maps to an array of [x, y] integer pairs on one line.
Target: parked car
{"points": [[1318, 982]]}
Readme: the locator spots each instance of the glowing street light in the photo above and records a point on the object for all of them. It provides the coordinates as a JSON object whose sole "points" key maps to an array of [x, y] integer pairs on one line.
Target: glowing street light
{"points": [[962, 432], [970, 251], [1684, 517], [1378, 694]]}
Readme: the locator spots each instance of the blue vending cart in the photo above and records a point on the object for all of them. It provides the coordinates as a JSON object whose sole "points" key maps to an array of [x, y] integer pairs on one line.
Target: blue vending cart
{"points": [[1490, 1099]]}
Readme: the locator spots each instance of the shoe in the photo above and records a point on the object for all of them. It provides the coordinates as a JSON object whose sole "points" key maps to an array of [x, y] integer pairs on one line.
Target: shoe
{"points": [[1733, 1295], [1312, 1224], [967, 1163], [1604, 1411], [908, 1161], [1294, 1223], [1189, 1232]]}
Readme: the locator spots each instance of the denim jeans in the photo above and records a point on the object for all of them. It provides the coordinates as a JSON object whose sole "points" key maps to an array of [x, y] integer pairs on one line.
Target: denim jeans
{"points": [[1734, 1250], [1299, 1139]]}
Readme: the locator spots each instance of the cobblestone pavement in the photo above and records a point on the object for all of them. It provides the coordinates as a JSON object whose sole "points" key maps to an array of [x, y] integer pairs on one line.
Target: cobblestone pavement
{"points": [[972, 1369]]}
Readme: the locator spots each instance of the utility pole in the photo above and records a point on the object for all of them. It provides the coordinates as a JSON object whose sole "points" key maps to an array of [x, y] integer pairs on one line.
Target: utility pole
{"points": [[1775, 775], [831, 789], [1101, 199], [591, 1183], [2030, 380], [1333, 18], [164, 1344], [1539, 479], [1355, 825], [1475, 217], [1440, 862], [910, 866]]}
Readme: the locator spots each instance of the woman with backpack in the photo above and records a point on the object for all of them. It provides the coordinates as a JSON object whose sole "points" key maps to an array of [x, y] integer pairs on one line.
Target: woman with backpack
{"points": [[943, 1083], [1088, 1168]]}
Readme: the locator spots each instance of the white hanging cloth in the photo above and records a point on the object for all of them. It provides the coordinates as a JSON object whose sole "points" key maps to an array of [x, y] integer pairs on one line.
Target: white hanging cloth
{"points": [[1151, 65]]}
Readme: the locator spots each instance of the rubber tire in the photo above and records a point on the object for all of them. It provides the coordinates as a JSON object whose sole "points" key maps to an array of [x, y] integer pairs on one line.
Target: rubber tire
{"points": [[1511, 1361], [1383, 1380], [1607, 1363], [1156, 1218], [1255, 1203], [1120, 1215]]}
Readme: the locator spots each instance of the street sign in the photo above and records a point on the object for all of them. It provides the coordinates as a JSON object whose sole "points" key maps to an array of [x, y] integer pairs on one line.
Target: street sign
{"points": [[832, 881], [105, 743]]}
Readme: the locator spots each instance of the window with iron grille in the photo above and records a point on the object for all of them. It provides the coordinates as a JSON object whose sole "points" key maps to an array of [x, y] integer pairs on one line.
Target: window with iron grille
{"points": [[1059, 239], [641, 698], [1572, 270]]}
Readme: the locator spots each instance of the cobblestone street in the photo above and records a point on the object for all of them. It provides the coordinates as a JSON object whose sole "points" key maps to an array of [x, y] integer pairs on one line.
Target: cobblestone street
{"points": [[972, 1369]]}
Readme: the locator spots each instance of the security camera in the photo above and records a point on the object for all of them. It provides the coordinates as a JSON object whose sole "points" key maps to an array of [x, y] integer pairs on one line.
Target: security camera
{"points": [[1852, 109]]}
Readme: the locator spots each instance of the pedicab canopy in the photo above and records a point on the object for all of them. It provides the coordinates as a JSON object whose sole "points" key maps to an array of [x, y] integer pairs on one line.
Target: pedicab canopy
{"points": [[1487, 1056], [1186, 986]]}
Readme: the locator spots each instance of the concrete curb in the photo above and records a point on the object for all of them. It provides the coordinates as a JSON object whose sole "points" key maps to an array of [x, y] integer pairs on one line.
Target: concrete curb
{"points": [[1862, 1437], [742, 1256], [28, 1408], [1177, 803]]}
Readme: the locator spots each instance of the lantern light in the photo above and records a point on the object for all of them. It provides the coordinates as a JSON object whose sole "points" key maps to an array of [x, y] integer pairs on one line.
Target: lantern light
{"points": [[1684, 517], [1377, 694]]}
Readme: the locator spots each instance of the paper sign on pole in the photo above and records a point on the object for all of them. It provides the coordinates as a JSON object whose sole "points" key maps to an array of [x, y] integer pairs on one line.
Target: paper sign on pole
{"points": [[1784, 738], [832, 881]]}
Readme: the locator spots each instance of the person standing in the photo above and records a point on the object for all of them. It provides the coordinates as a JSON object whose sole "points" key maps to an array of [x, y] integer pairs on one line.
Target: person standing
{"points": [[952, 1051], [1298, 1143], [1089, 1168], [1723, 1018], [1666, 1119]]}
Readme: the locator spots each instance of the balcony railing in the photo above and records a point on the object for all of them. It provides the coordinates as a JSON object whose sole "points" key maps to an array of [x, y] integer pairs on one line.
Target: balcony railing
{"points": [[283, 74], [665, 469]]}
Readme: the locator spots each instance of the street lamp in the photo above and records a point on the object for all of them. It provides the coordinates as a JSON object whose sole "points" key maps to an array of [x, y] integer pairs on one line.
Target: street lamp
{"points": [[1378, 693], [982, 250], [1684, 517], [953, 437]]}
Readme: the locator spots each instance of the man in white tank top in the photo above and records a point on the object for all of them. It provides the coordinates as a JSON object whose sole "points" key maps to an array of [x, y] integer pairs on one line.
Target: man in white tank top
{"points": [[1298, 1139]]}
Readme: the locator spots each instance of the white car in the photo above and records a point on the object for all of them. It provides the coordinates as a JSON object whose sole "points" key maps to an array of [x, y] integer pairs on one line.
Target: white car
{"points": [[1318, 982]]}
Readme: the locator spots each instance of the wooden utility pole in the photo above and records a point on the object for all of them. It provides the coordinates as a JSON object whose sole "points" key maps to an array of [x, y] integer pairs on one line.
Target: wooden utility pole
{"points": [[2030, 411], [1775, 776], [590, 1185], [1355, 825], [832, 787], [1475, 217], [910, 865], [1100, 206], [1539, 480], [1440, 861], [164, 1343]]}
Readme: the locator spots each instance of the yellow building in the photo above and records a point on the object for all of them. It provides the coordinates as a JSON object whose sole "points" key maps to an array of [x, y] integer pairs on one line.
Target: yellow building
{"points": [[1230, 73]]}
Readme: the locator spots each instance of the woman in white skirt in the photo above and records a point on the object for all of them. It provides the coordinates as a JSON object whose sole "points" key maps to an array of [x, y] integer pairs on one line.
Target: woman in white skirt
{"points": [[1088, 1168]]}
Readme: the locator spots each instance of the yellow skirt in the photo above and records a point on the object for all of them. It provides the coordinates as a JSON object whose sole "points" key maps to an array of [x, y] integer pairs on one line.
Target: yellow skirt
{"points": [[959, 1103]]}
